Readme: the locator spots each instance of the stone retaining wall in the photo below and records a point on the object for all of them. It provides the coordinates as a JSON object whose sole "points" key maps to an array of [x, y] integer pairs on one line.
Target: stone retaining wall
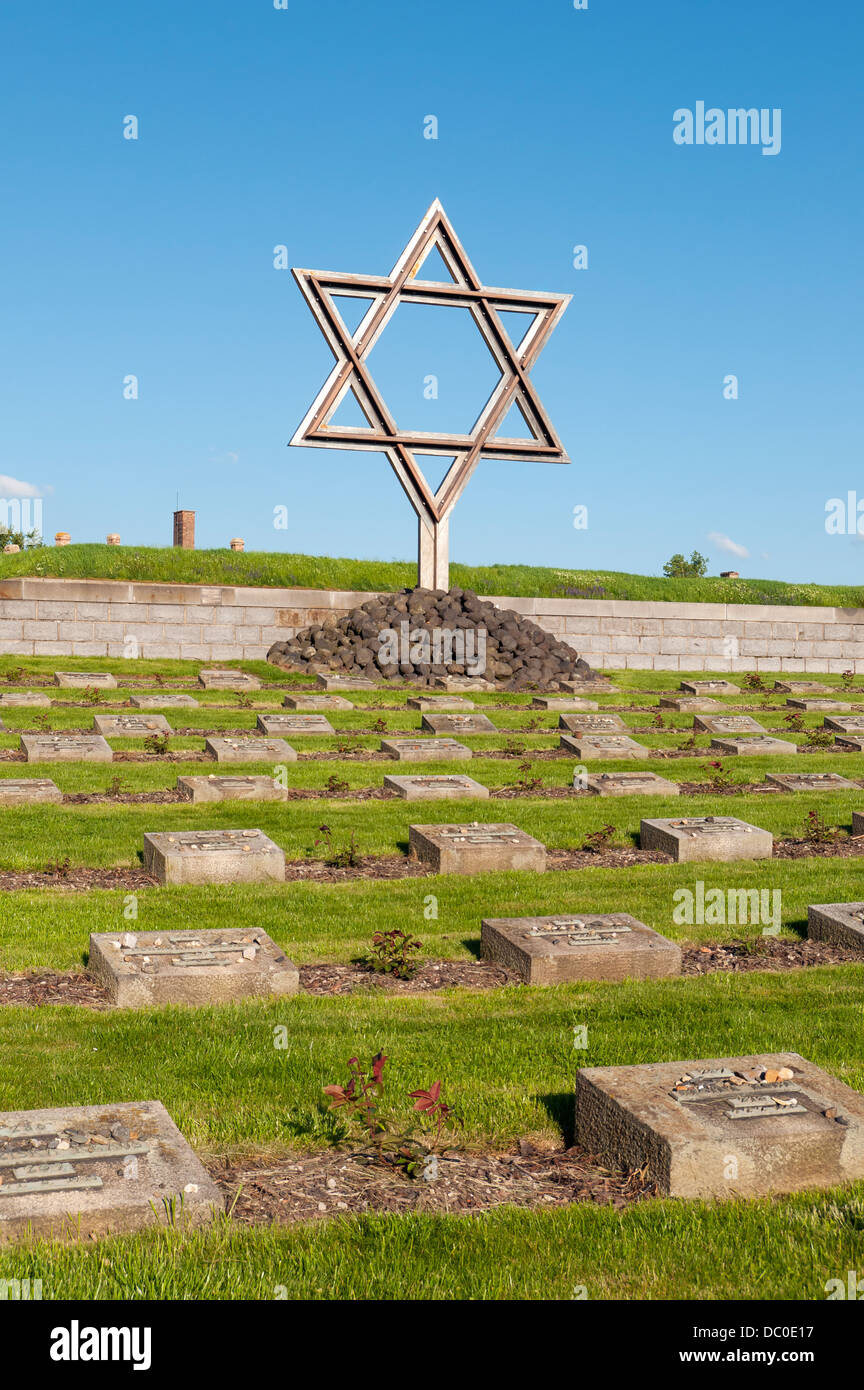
{"points": [[90, 617]]}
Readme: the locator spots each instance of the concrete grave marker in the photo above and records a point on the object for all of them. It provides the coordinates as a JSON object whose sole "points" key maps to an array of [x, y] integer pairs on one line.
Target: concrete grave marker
{"points": [[176, 701], [598, 686], [65, 748], [631, 784], [715, 687], [228, 680], [720, 838], [295, 724], [562, 706], [463, 684], [554, 950], [316, 702], [690, 704], [213, 856], [436, 788], [801, 687], [243, 749], [24, 698], [188, 967], [729, 1127], [131, 725], [840, 924], [845, 723], [852, 743], [597, 746], [439, 702], [424, 750], [213, 788], [98, 1170], [83, 680], [819, 706], [592, 723], [726, 724], [18, 791], [457, 724], [475, 848], [810, 781], [330, 681], [750, 747]]}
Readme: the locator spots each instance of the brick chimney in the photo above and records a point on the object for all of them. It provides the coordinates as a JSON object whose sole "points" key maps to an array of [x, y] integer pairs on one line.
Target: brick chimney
{"points": [[184, 530]]}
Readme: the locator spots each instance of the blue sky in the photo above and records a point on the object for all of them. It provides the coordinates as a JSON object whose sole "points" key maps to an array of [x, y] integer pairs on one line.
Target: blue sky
{"points": [[304, 127]]}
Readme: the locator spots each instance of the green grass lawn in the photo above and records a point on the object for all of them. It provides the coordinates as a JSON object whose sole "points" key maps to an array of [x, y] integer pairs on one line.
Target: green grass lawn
{"points": [[506, 1055], [168, 564], [782, 1250]]}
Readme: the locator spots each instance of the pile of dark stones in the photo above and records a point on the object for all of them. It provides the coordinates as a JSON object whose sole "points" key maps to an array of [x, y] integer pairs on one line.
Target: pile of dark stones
{"points": [[518, 654]]}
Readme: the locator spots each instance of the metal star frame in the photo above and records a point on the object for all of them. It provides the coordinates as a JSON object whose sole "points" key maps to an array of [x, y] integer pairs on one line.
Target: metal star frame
{"points": [[351, 374]]}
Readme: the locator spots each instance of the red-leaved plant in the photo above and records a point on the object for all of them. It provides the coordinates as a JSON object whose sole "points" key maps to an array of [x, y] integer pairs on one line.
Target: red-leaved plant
{"points": [[407, 1147]]}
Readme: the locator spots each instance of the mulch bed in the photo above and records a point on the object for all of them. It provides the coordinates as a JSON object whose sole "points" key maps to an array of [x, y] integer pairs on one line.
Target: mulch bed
{"points": [[846, 848], [430, 975], [52, 987], [321, 1185], [124, 798], [76, 880], [767, 953]]}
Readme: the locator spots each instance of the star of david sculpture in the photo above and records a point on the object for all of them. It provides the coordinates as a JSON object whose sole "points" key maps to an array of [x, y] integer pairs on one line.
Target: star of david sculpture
{"points": [[382, 434]]}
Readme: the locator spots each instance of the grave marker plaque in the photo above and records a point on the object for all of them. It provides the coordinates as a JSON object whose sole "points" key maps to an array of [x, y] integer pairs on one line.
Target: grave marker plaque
{"points": [[249, 750], [720, 838], [475, 848], [65, 748], [631, 784], [98, 1170], [213, 856], [457, 724], [331, 681], [762, 746], [554, 950], [463, 684], [18, 791], [819, 706], [131, 725], [436, 788], [845, 723], [295, 724], [425, 750], [560, 705], [726, 724], [597, 746], [139, 969], [840, 924], [711, 687], [82, 680], [24, 698], [228, 680], [597, 686], [592, 723], [316, 702], [439, 702], [787, 1124], [802, 687], [810, 781], [690, 704], [173, 701], [213, 788]]}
